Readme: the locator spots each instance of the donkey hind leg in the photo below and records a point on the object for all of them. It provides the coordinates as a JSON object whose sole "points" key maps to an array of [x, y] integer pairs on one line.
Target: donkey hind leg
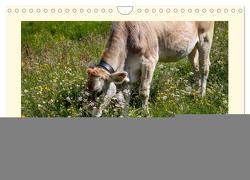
{"points": [[204, 46], [110, 92], [147, 71], [193, 57]]}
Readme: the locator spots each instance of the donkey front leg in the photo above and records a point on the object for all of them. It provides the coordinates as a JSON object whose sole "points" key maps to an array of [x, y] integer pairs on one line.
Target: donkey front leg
{"points": [[110, 92], [123, 99], [127, 95], [147, 71]]}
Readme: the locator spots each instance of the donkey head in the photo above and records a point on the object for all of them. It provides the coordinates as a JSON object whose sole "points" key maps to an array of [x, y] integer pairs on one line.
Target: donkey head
{"points": [[99, 80]]}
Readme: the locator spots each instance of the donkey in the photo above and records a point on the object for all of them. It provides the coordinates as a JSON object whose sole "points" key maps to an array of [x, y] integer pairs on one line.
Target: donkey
{"points": [[134, 48]]}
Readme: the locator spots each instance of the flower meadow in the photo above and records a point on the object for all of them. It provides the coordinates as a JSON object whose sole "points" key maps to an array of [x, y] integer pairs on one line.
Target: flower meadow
{"points": [[55, 56]]}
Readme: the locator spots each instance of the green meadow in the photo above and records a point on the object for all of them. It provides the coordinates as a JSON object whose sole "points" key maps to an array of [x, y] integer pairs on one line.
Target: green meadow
{"points": [[55, 56]]}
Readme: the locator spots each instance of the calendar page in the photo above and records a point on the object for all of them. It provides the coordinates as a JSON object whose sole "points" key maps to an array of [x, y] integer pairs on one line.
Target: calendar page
{"points": [[124, 61]]}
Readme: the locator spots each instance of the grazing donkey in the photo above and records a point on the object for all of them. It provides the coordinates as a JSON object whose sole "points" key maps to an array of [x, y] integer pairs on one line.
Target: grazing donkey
{"points": [[134, 48]]}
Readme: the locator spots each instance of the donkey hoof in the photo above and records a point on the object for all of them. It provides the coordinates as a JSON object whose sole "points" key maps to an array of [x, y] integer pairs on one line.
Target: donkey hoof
{"points": [[146, 113], [95, 113], [98, 115]]}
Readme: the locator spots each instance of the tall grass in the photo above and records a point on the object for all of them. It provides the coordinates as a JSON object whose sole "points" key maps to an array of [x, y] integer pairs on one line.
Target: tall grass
{"points": [[54, 60]]}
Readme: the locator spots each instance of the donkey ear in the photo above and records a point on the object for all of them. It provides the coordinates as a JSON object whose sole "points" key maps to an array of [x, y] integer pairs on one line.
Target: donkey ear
{"points": [[98, 72], [119, 77], [90, 71]]}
